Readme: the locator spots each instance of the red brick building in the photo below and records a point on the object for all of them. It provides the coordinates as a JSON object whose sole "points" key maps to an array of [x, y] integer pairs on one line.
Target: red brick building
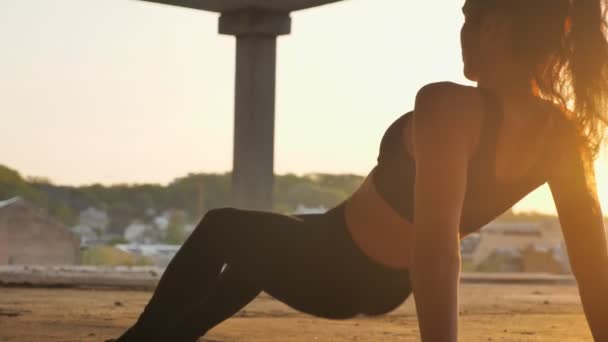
{"points": [[30, 236]]}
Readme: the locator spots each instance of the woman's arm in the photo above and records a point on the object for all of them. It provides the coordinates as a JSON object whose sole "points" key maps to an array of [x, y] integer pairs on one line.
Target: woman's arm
{"points": [[442, 148], [575, 195]]}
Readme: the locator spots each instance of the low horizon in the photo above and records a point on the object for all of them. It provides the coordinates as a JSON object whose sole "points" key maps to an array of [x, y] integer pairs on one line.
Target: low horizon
{"points": [[143, 93], [522, 207]]}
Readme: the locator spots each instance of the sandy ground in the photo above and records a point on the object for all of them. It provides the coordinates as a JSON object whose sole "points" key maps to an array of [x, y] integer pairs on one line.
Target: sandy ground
{"points": [[489, 313]]}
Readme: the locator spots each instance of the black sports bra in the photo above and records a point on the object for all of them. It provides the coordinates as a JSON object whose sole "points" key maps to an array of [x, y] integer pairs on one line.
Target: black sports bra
{"points": [[486, 198]]}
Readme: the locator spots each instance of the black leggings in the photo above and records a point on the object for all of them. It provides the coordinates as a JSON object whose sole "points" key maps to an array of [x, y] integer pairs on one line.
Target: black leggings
{"points": [[308, 262]]}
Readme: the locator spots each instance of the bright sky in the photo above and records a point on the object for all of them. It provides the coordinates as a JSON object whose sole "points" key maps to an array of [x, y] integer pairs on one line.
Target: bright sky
{"points": [[125, 91]]}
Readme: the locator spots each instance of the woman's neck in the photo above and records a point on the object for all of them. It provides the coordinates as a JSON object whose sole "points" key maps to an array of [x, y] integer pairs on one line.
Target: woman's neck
{"points": [[515, 94]]}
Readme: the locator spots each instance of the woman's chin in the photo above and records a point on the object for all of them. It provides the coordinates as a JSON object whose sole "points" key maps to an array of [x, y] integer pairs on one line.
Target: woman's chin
{"points": [[471, 76]]}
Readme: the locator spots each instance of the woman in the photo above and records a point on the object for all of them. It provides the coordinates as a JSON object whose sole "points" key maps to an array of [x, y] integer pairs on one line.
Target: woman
{"points": [[460, 159]]}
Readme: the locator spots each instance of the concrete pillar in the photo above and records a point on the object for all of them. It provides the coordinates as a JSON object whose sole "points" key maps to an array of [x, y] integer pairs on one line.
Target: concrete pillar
{"points": [[256, 25], [253, 159]]}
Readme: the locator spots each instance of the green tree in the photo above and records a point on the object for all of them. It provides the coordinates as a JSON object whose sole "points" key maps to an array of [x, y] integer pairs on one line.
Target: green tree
{"points": [[176, 232]]}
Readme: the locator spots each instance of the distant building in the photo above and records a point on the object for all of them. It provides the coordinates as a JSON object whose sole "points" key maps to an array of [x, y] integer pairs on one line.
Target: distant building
{"points": [[29, 236], [95, 219], [468, 245], [138, 232], [87, 235], [524, 246], [162, 222], [539, 259], [91, 227]]}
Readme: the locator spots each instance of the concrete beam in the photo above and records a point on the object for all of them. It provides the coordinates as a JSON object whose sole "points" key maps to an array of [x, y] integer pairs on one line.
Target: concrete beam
{"points": [[235, 5], [255, 22]]}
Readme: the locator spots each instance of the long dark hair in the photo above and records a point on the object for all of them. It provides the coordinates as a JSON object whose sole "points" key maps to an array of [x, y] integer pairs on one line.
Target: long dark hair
{"points": [[562, 46]]}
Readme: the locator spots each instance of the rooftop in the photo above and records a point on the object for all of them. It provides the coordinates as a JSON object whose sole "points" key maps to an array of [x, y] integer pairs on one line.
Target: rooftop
{"points": [[9, 202]]}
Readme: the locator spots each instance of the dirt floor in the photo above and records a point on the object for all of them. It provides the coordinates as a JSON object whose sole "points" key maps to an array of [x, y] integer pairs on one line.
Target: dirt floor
{"points": [[489, 313]]}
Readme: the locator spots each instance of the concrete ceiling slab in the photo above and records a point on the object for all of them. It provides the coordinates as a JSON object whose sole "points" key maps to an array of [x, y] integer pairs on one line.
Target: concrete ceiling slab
{"points": [[235, 5]]}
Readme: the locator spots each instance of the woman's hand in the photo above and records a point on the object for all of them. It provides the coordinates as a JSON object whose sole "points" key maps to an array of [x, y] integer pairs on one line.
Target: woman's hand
{"points": [[445, 134]]}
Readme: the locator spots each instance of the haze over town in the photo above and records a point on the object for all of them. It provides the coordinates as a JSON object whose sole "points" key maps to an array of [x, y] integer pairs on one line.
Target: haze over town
{"points": [[118, 137], [115, 91]]}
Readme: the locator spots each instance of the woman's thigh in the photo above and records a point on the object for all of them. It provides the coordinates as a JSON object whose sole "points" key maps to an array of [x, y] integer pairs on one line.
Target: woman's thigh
{"points": [[309, 262], [304, 261]]}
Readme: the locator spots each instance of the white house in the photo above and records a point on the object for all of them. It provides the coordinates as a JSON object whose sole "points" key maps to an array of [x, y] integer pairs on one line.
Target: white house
{"points": [[94, 218]]}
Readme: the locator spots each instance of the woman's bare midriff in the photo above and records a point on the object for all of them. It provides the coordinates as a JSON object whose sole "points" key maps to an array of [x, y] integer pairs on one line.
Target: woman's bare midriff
{"points": [[383, 235], [376, 228]]}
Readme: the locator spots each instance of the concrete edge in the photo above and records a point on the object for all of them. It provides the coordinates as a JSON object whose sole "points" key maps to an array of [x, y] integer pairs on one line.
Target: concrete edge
{"points": [[146, 278]]}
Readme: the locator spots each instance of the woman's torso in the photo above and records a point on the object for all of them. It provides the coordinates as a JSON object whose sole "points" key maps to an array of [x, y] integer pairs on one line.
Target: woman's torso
{"points": [[380, 213]]}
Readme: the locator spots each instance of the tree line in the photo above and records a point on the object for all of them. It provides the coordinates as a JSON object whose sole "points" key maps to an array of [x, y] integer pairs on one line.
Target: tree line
{"points": [[194, 194]]}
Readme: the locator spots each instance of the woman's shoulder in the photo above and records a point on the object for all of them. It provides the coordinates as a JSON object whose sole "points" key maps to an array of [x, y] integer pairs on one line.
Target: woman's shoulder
{"points": [[440, 92], [449, 109], [448, 102]]}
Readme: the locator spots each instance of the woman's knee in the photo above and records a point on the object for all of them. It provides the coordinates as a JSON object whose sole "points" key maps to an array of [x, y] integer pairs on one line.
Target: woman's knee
{"points": [[219, 215], [215, 222]]}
